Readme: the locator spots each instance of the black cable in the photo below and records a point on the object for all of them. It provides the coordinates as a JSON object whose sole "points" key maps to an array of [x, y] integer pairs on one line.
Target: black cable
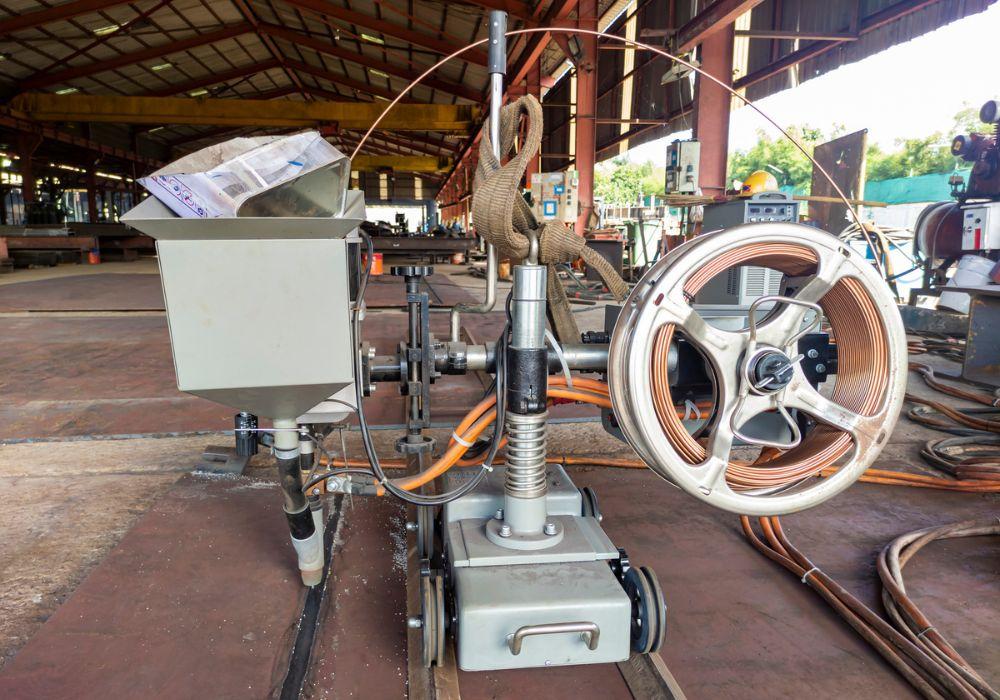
{"points": [[366, 438]]}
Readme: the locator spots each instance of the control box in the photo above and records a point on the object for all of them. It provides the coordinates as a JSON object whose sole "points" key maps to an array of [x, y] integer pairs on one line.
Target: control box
{"points": [[553, 196], [765, 207], [682, 167], [740, 286], [981, 226]]}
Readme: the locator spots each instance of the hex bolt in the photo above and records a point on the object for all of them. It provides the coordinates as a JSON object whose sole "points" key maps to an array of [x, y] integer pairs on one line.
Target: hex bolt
{"points": [[820, 368], [505, 530], [550, 529], [499, 514], [414, 623], [812, 353], [315, 491]]}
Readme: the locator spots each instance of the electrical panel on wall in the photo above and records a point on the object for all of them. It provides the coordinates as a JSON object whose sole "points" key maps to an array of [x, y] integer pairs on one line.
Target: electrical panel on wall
{"points": [[554, 196], [682, 167]]}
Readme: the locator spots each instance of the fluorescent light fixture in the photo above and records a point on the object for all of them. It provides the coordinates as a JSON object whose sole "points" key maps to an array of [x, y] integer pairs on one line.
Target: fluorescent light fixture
{"points": [[4, 56], [66, 91], [198, 93], [101, 31], [372, 39], [156, 128], [375, 71], [384, 99], [162, 66]]}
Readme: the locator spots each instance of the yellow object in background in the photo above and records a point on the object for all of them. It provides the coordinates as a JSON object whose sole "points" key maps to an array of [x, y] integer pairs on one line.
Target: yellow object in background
{"points": [[758, 181]]}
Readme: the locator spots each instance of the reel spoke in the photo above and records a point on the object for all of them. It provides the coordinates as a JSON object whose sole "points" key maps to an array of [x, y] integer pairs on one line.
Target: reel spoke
{"points": [[864, 430], [725, 346], [781, 331]]}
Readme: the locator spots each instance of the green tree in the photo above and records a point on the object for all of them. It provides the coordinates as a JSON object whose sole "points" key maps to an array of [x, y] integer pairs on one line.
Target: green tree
{"points": [[619, 183], [920, 156], [778, 156], [909, 157]]}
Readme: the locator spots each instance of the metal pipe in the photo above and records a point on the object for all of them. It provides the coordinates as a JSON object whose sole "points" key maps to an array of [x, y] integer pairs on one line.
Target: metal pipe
{"points": [[483, 358], [306, 538], [498, 69], [525, 482]]}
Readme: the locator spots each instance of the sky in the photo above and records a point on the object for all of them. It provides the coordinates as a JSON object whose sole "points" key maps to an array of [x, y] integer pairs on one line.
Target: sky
{"points": [[909, 90]]}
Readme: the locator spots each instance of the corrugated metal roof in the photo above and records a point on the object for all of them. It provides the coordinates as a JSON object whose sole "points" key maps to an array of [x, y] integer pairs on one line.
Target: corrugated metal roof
{"points": [[313, 49]]}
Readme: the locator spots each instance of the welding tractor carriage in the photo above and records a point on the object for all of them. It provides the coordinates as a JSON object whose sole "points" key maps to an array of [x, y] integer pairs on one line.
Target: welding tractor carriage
{"points": [[514, 559]]}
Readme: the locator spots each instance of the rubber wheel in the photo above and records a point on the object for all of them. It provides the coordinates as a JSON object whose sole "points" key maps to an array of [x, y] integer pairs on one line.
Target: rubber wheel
{"points": [[590, 507], [432, 589], [660, 605], [645, 618]]}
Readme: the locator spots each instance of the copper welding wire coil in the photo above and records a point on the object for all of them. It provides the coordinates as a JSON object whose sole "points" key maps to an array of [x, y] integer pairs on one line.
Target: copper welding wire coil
{"points": [[862, 378]]}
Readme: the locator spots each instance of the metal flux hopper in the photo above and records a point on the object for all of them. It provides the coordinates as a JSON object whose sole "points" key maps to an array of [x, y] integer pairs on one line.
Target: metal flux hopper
{"points": [[258, 307]]}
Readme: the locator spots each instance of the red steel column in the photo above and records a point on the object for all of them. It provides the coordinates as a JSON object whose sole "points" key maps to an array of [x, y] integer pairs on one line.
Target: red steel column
{"points": [[586, 112], [26, 146], [711, 110]]}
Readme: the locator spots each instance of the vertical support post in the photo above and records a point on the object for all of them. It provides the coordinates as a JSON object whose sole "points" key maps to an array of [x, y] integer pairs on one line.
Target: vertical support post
{"points": [[712, 106], [26, 146], [525, 483], [498, 69], [91, 194], [586, 112]]}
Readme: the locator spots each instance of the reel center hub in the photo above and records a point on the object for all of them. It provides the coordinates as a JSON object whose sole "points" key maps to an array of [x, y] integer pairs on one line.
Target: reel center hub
{"points": [[770, 370]]}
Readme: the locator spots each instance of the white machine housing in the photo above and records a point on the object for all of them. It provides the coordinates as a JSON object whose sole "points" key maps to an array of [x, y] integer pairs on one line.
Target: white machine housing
{"points": [[258, 307], [981, 226], [683, 158]]}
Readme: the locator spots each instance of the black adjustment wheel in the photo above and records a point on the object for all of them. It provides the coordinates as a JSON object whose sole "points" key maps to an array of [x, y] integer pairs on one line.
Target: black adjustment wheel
{"points": [[648, 610], [590, 508], [411, 270]]}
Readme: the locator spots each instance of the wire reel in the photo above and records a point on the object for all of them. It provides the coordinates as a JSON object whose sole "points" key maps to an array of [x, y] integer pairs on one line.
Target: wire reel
{"points": [[853, 421]]}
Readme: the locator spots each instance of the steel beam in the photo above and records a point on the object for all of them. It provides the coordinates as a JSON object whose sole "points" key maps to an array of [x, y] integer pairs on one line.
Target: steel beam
{"points": [[869, 24], [64, 11], [514, 8], [228, 112], [21, 125], [397, 31], [413, 164], [712, 105], [323, 46], [343, 80], [719, 15], [586, 113], [215, 78], [42, 80]]}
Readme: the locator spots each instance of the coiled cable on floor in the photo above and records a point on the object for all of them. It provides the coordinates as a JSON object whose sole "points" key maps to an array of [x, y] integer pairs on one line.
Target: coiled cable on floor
{"points": [[928, 675], [905, 613]]}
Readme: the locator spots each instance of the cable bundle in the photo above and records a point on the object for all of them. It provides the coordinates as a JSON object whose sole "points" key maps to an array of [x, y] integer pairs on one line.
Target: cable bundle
{"points": [[922, 667], [908, 617]]}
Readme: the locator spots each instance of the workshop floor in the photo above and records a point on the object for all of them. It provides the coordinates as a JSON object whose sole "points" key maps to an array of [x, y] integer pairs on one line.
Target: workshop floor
{"points": [[122, 575]]}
